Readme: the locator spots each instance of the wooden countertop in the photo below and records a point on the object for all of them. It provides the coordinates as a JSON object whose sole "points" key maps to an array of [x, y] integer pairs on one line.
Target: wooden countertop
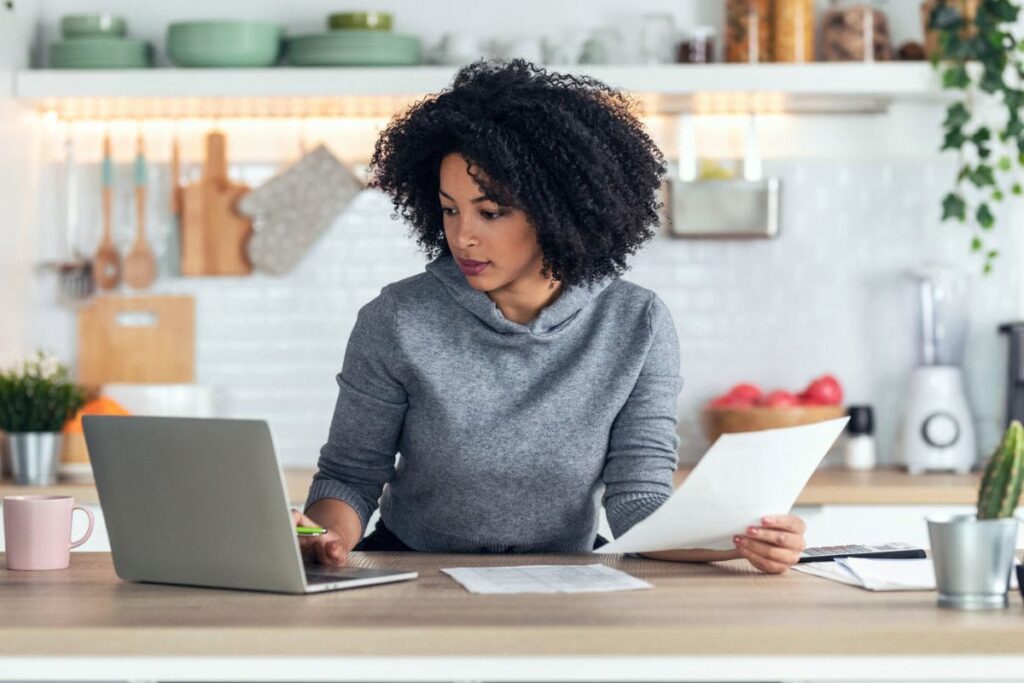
{"points": [[696, 610], [826, 487]]}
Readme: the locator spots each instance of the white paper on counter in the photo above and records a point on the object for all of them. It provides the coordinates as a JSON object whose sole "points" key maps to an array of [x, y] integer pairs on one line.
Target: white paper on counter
{"points": [[545, 578], [740, 479], [881, 574]]}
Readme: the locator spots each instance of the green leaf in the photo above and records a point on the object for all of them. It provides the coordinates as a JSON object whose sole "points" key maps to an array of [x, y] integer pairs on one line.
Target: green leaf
{"points": [[976, 244], [956, 115], [982, 175], [984, 216], [997, 196], [953, 206], [1017, 189], [1004, 163], [956, 76]]}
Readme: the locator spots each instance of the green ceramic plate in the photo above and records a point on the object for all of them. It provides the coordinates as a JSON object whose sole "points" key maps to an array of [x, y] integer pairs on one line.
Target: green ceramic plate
{"points": [[99, 53]]}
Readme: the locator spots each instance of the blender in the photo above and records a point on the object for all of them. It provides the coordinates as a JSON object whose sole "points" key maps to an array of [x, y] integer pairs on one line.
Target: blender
{"points": [[938, 429]]}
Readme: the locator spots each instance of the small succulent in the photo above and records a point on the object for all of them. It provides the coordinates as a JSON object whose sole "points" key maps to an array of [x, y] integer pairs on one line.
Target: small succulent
{"points": [[1001, 484]]}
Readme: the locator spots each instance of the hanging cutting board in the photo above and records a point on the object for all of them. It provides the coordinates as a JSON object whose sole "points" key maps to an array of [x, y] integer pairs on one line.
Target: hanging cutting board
{"points": [[149, 339], [213, 233]]}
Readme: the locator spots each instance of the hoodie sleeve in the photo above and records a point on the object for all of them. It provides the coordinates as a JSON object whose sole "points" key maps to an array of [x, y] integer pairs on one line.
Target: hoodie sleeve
{"points": [[642, 445], [359, 456]]}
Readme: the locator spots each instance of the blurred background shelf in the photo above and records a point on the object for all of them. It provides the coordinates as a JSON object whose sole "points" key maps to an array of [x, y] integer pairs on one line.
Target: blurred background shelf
{"points": [[380, 91]]}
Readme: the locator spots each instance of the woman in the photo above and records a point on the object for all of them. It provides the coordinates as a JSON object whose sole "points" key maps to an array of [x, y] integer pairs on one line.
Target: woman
{"points": [[523, 382]]}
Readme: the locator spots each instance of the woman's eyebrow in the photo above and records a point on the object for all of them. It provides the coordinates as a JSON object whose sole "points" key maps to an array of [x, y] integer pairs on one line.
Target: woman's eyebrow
{"points": [[481, 198]]}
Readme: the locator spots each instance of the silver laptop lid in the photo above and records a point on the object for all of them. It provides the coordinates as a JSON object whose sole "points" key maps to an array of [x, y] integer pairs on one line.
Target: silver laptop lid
{"points": [[194, 501]]}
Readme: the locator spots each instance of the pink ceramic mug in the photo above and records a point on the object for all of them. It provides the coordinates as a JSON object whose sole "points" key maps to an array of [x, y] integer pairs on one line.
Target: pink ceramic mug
{"points": [[37, 531]]}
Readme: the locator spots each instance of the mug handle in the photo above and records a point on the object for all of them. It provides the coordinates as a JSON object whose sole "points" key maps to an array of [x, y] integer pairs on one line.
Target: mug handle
{"points": [[88, 532]]}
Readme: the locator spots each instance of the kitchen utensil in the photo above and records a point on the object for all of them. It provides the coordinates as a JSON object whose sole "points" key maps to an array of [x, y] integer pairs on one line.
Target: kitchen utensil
{"points": [[172, 253], [100, 53], [657, 37], [140, 264], [718, 421], [291, 210], [213, 233], [937, 430], [146, 339], [378, 21], [107, 262], [37, 531], [92, 25], [223, 43], [1014, 372]]}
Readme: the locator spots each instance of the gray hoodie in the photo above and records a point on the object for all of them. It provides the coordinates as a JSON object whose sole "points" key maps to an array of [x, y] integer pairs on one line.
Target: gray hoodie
{"points": [[510, 435]]}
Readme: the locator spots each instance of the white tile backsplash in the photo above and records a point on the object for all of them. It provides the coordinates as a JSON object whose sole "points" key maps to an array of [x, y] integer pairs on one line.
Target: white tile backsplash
{"points": [[828, 295]]}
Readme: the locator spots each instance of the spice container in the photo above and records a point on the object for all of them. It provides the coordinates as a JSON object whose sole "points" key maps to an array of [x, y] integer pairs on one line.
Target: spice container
{"points": [[855, 31], [748, 31], [793, 31], [859, 445], [698, 47]]}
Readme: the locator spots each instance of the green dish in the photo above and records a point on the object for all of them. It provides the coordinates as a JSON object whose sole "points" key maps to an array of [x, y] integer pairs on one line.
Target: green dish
{"points": [[354, 48], [223, 43], [377, 21], [92, 25], [100, 53]]}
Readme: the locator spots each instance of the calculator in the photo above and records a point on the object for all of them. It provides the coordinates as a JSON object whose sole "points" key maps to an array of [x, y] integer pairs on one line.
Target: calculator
{"points": [[825, 553]]}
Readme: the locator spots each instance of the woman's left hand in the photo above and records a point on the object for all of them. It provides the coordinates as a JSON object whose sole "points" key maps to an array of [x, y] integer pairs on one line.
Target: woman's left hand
{"points": [[774, 546]]}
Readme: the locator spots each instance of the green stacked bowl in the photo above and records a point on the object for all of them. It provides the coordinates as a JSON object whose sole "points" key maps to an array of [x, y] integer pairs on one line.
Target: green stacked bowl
{"points": [[223, 43], [100, 53], [378, 21], [92, 26], [355, 47]]}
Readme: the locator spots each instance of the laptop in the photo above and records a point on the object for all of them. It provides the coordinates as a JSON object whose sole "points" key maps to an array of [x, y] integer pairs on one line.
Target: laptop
{"points": [[202, 502]]}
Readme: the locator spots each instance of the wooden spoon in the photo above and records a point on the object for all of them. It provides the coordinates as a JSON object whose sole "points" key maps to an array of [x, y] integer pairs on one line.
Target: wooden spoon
{"points": [[106, 271], [140, 264]]}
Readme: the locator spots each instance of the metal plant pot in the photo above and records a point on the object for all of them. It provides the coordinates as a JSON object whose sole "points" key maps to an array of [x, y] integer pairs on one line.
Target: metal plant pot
{"points": [[973, 559], [35, 457]]}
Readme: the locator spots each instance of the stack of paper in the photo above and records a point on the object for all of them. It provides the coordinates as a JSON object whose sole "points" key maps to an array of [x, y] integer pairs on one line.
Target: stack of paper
{"points": [[541, 578], [879, 575]]}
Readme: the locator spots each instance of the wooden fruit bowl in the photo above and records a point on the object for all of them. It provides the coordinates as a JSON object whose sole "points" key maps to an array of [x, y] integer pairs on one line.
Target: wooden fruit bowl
{"points": [[718, 421]]}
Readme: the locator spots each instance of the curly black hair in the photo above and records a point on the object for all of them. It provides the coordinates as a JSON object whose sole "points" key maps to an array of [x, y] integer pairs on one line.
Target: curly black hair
{"points": [[566, 149]]}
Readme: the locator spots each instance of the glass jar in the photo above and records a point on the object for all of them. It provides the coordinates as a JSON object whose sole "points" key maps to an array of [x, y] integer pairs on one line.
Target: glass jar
{"points": [[748, 31], [793, 31], [698, 47], [855, 31]]}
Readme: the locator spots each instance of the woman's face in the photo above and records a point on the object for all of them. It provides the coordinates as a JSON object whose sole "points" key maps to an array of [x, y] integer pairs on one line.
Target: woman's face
{"points": [[479, 230]]}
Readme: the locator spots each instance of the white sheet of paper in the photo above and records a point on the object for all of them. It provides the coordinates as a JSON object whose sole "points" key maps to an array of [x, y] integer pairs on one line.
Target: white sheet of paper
{"points": [[880, 574], [740, 479], [545, 578]]}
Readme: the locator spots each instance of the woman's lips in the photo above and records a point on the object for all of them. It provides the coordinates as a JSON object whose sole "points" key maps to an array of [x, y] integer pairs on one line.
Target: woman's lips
{"points": [[472, 267]]}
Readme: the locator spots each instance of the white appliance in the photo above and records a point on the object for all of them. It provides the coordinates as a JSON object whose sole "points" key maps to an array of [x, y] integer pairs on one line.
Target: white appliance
{"points": [[937, 432]]}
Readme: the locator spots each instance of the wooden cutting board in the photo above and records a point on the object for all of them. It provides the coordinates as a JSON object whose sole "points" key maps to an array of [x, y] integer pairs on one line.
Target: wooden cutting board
{"points": [[213, 233], [148, 339]]}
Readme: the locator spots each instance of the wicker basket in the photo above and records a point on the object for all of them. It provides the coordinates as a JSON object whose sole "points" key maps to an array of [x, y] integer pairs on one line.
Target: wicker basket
{"points": [[718, 421]]}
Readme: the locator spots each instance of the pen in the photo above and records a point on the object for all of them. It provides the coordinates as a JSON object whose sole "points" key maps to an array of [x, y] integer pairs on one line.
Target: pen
{"points": [[310, 530]]}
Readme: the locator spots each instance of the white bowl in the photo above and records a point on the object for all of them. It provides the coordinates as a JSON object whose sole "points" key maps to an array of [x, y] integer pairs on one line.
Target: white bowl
{"points": [[168, 400]]}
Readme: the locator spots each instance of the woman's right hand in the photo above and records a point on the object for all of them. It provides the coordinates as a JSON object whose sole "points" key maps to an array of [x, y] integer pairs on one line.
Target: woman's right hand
{"points": [[327, 549]]}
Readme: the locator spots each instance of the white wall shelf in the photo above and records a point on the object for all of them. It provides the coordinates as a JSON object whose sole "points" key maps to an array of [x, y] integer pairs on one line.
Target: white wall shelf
{"points": [[375, 91]]}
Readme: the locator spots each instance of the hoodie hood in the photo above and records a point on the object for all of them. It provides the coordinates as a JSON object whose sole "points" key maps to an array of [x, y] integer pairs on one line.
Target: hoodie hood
{"points": [[565, 307]]}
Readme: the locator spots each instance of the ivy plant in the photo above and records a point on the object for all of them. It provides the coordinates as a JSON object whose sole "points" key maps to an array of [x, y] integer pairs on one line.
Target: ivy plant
{"points": [[983, 40]]}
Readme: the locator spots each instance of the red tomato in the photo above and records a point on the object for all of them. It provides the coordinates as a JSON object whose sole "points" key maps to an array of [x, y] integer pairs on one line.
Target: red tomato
{"points": [[729, 401], [824, 390], [779, 399], [746, 392]]}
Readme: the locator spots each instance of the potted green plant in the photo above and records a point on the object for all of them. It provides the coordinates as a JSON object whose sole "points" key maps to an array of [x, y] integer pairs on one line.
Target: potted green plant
{"points": [[973, 554], [973, 46], [36, 399]]}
